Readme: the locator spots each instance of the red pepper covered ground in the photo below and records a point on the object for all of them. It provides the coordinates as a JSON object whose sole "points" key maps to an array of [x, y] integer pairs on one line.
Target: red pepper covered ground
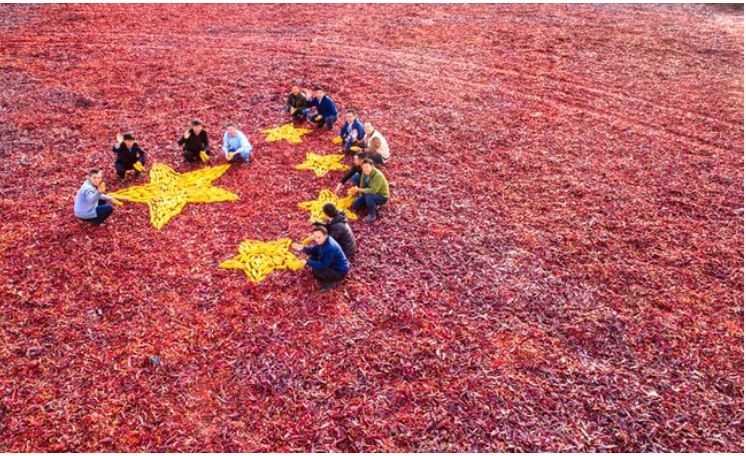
{"points": [[560, 268]]}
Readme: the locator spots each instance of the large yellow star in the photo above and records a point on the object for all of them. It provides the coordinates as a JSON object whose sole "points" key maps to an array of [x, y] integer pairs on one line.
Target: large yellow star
{"points": [[327, 196], [288, 132], [168, 191], [258, 259], [322, 164]]}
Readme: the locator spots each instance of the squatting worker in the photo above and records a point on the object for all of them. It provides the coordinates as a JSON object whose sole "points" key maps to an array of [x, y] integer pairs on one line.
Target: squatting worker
{"points": [[327, 261], [91, 205], [130, 155], [297, 104], [338, 228], [195, 143], [322, 110], [373, 190], [235, 144]]}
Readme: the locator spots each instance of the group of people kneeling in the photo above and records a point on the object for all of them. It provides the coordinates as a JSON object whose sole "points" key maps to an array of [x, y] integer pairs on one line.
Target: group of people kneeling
{"points": [[334, 240]]}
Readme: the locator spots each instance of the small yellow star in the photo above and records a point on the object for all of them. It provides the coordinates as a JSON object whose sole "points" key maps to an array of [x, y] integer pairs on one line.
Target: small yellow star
{"points": [[322, 164], [288, 132], [258, 259], [326, 196], [168, 191]]}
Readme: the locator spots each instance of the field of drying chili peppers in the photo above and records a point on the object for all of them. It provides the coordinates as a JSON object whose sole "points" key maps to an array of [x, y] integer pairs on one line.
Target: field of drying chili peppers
{"points": [[560, 266]]}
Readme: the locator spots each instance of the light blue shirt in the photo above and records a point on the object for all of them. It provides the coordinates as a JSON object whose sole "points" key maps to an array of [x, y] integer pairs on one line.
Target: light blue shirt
{"points": [[238, 143], [87, 199]]}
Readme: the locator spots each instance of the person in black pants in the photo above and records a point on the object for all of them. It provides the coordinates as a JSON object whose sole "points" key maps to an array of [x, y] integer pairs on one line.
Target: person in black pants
{"points": [[297, 104], [194, 142], [327, 261], [128, 153], [338, 228]]}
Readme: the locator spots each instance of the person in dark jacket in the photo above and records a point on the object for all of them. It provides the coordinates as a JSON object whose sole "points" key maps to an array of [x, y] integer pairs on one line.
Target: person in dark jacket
{"points": [[354, 173], [327, 261], [338, 228], [195, 143], [297, 103], [352, 132], [322, 109], [129, 154]]}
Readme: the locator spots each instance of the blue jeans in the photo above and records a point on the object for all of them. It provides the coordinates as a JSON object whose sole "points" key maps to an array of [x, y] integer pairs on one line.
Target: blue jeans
{"points": [[371, 202], [103, 211], [328, 120], [242, 155], [355, 179]]}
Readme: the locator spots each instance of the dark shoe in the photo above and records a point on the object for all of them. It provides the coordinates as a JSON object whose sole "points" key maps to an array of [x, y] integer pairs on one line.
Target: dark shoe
{"points": [[369, 219], [138, 174], [326, 286]]}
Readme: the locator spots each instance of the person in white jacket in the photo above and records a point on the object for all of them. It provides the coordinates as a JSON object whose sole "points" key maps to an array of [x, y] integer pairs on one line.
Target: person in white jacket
{"points": [[376, 147], [91, 205]]}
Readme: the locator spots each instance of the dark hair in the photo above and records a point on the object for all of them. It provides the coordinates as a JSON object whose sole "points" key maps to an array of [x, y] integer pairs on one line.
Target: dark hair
{"points": [[360, 156], [129, 136], [320, 229], [351, 111], [329, 209], [196, 122], [93, 171], [230, 124], [368, 161], [318, 88]]}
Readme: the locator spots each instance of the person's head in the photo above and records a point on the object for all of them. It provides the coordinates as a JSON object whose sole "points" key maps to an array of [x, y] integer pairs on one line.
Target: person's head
{"points": [[350, 116], [330, 210], [368, 128], [367, 166], [95, 176], [319, 92], [231, 129], [295, 90], [196, 126], [358, 158], [319, 234], [129, 139]]}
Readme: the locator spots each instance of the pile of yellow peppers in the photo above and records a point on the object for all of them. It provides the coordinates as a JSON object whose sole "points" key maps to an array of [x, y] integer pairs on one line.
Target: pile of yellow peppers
{"points": [[315, 207], [322, 164], [258, 259]]}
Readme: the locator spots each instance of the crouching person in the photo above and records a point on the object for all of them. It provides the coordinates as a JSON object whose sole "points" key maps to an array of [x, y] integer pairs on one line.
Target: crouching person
{"points": [[327, 261], [91, 205], [195, 143], [373, 190], [235, 145], [130, 155], [337, 227]]}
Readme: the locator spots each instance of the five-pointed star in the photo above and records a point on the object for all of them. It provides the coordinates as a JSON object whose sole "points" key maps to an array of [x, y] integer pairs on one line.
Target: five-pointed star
{"points": [[322, 164], [327, 196], [288, 132], [258, 259], [168, 191]]}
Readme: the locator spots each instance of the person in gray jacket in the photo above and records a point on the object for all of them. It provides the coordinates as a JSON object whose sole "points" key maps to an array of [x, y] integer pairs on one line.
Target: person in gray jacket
{"points": [[91, 205]]}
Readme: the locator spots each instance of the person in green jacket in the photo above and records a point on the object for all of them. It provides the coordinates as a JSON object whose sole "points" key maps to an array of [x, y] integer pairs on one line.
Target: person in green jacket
{"points": [[372, 191]]}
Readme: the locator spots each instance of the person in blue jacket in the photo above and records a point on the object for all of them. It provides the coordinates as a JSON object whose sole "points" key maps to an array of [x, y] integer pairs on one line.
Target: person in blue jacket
{"points": [[327, 261], [322, 110], [352, 132]]}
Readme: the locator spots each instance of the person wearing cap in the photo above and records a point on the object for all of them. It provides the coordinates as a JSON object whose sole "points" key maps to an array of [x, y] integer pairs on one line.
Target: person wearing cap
{"points": [[322, 110], [327, 260], [354, 173], [338, 228], [352, 132], [236, 145], [91, 205], [373, 190], [130, 155], [195, 144], [375, 145], [297, 103]]}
